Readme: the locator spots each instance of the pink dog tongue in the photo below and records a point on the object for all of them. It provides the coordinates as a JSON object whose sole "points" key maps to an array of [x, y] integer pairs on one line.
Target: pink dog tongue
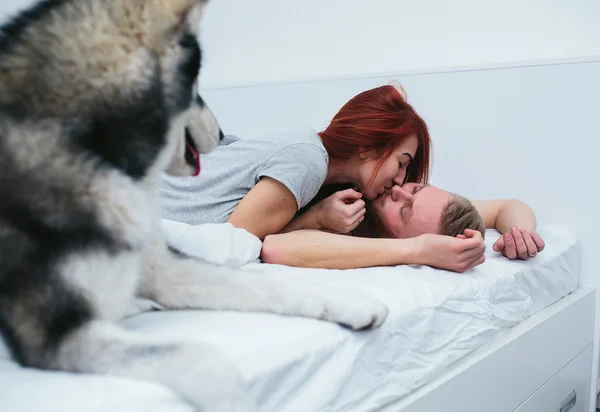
{"points": [[196, 157], [197, 172]]}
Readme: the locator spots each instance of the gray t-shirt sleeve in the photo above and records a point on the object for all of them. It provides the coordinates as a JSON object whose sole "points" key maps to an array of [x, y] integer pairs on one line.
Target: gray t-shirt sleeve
{"points": [[301, 167]]}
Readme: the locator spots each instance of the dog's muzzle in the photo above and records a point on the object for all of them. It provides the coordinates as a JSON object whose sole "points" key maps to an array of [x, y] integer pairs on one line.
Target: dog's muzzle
{"points": [[192, 156]]}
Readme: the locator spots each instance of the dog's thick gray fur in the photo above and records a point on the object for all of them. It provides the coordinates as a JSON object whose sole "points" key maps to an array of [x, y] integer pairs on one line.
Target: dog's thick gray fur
{"points": [[96, 101]]}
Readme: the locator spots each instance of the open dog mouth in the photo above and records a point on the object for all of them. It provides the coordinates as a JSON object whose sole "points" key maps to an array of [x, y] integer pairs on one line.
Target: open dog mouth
{"points": [[192, 157]]}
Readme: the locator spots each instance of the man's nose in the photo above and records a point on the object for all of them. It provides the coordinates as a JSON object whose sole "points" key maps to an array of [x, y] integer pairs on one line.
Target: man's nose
{"points": [[398, 193], [399, 179]]}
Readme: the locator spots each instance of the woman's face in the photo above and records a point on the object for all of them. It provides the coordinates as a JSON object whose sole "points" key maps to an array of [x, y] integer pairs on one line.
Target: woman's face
{"points": [[392, 171]]}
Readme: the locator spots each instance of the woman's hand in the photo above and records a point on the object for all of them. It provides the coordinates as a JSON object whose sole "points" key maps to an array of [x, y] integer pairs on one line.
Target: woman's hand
{"points": [[341, 212], [457, 254], [519, 244]]}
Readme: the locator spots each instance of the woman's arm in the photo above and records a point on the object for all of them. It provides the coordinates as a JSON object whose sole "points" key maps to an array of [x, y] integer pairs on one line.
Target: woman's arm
{"points": [[317, 249], [307, 220], [266, 209], [517, 222]]}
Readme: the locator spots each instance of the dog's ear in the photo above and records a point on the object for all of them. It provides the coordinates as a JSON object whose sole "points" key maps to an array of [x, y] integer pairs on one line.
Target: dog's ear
{"points": [[194, 17], [167, 18]]}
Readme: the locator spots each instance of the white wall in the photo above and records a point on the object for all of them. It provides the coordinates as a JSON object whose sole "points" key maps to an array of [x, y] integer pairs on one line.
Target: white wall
{"points": [[272, 41], [9, 7]]}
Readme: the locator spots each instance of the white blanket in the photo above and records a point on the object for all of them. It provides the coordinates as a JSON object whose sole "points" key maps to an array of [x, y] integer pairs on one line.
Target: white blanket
{"points": [[294, 364]]}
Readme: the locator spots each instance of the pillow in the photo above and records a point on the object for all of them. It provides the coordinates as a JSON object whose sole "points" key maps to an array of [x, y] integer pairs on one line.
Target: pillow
{"points": [[218, 243]]}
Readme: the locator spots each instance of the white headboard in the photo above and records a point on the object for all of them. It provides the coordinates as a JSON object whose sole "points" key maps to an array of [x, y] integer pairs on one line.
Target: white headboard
{"points": [[529, 132]]}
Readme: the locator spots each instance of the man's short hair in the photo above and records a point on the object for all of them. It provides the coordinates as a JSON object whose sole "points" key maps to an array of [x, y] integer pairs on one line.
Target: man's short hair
{"points": [[460, 214]]}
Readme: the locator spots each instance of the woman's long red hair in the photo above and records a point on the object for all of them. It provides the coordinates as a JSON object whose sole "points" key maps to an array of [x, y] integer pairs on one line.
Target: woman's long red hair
{"points": [[378, 120]]}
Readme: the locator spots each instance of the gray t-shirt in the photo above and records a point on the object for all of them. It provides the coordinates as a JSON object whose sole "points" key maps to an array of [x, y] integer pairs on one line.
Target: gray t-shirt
{"points": [[298, 160]]}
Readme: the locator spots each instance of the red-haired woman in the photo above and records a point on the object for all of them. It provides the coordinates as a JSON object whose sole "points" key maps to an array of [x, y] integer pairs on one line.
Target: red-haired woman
{"points": [[374, 142]]}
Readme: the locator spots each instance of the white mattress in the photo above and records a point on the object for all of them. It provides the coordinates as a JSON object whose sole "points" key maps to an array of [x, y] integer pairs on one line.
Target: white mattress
{"points": [[302, 365]]}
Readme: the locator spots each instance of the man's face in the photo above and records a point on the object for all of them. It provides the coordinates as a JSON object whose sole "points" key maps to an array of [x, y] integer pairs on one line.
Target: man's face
{"points": [[411, 210]]}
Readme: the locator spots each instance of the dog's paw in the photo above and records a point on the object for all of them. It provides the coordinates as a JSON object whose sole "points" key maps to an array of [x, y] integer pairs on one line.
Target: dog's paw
{"points": [[288, 295], [354, 312]]}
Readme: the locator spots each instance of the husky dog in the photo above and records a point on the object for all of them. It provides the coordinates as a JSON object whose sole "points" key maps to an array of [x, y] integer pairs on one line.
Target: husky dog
{"points": [[96, 101]]}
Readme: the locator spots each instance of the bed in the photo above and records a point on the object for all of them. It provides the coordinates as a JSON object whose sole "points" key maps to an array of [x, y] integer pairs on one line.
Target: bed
{"points": [[506, 336]]}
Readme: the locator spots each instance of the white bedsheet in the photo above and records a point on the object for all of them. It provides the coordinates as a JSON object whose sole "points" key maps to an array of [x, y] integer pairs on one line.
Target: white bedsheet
{"points": [[302, 365]]}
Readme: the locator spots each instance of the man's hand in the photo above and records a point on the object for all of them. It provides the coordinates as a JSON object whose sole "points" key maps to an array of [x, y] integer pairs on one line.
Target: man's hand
{"points": [[519, 244]]}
